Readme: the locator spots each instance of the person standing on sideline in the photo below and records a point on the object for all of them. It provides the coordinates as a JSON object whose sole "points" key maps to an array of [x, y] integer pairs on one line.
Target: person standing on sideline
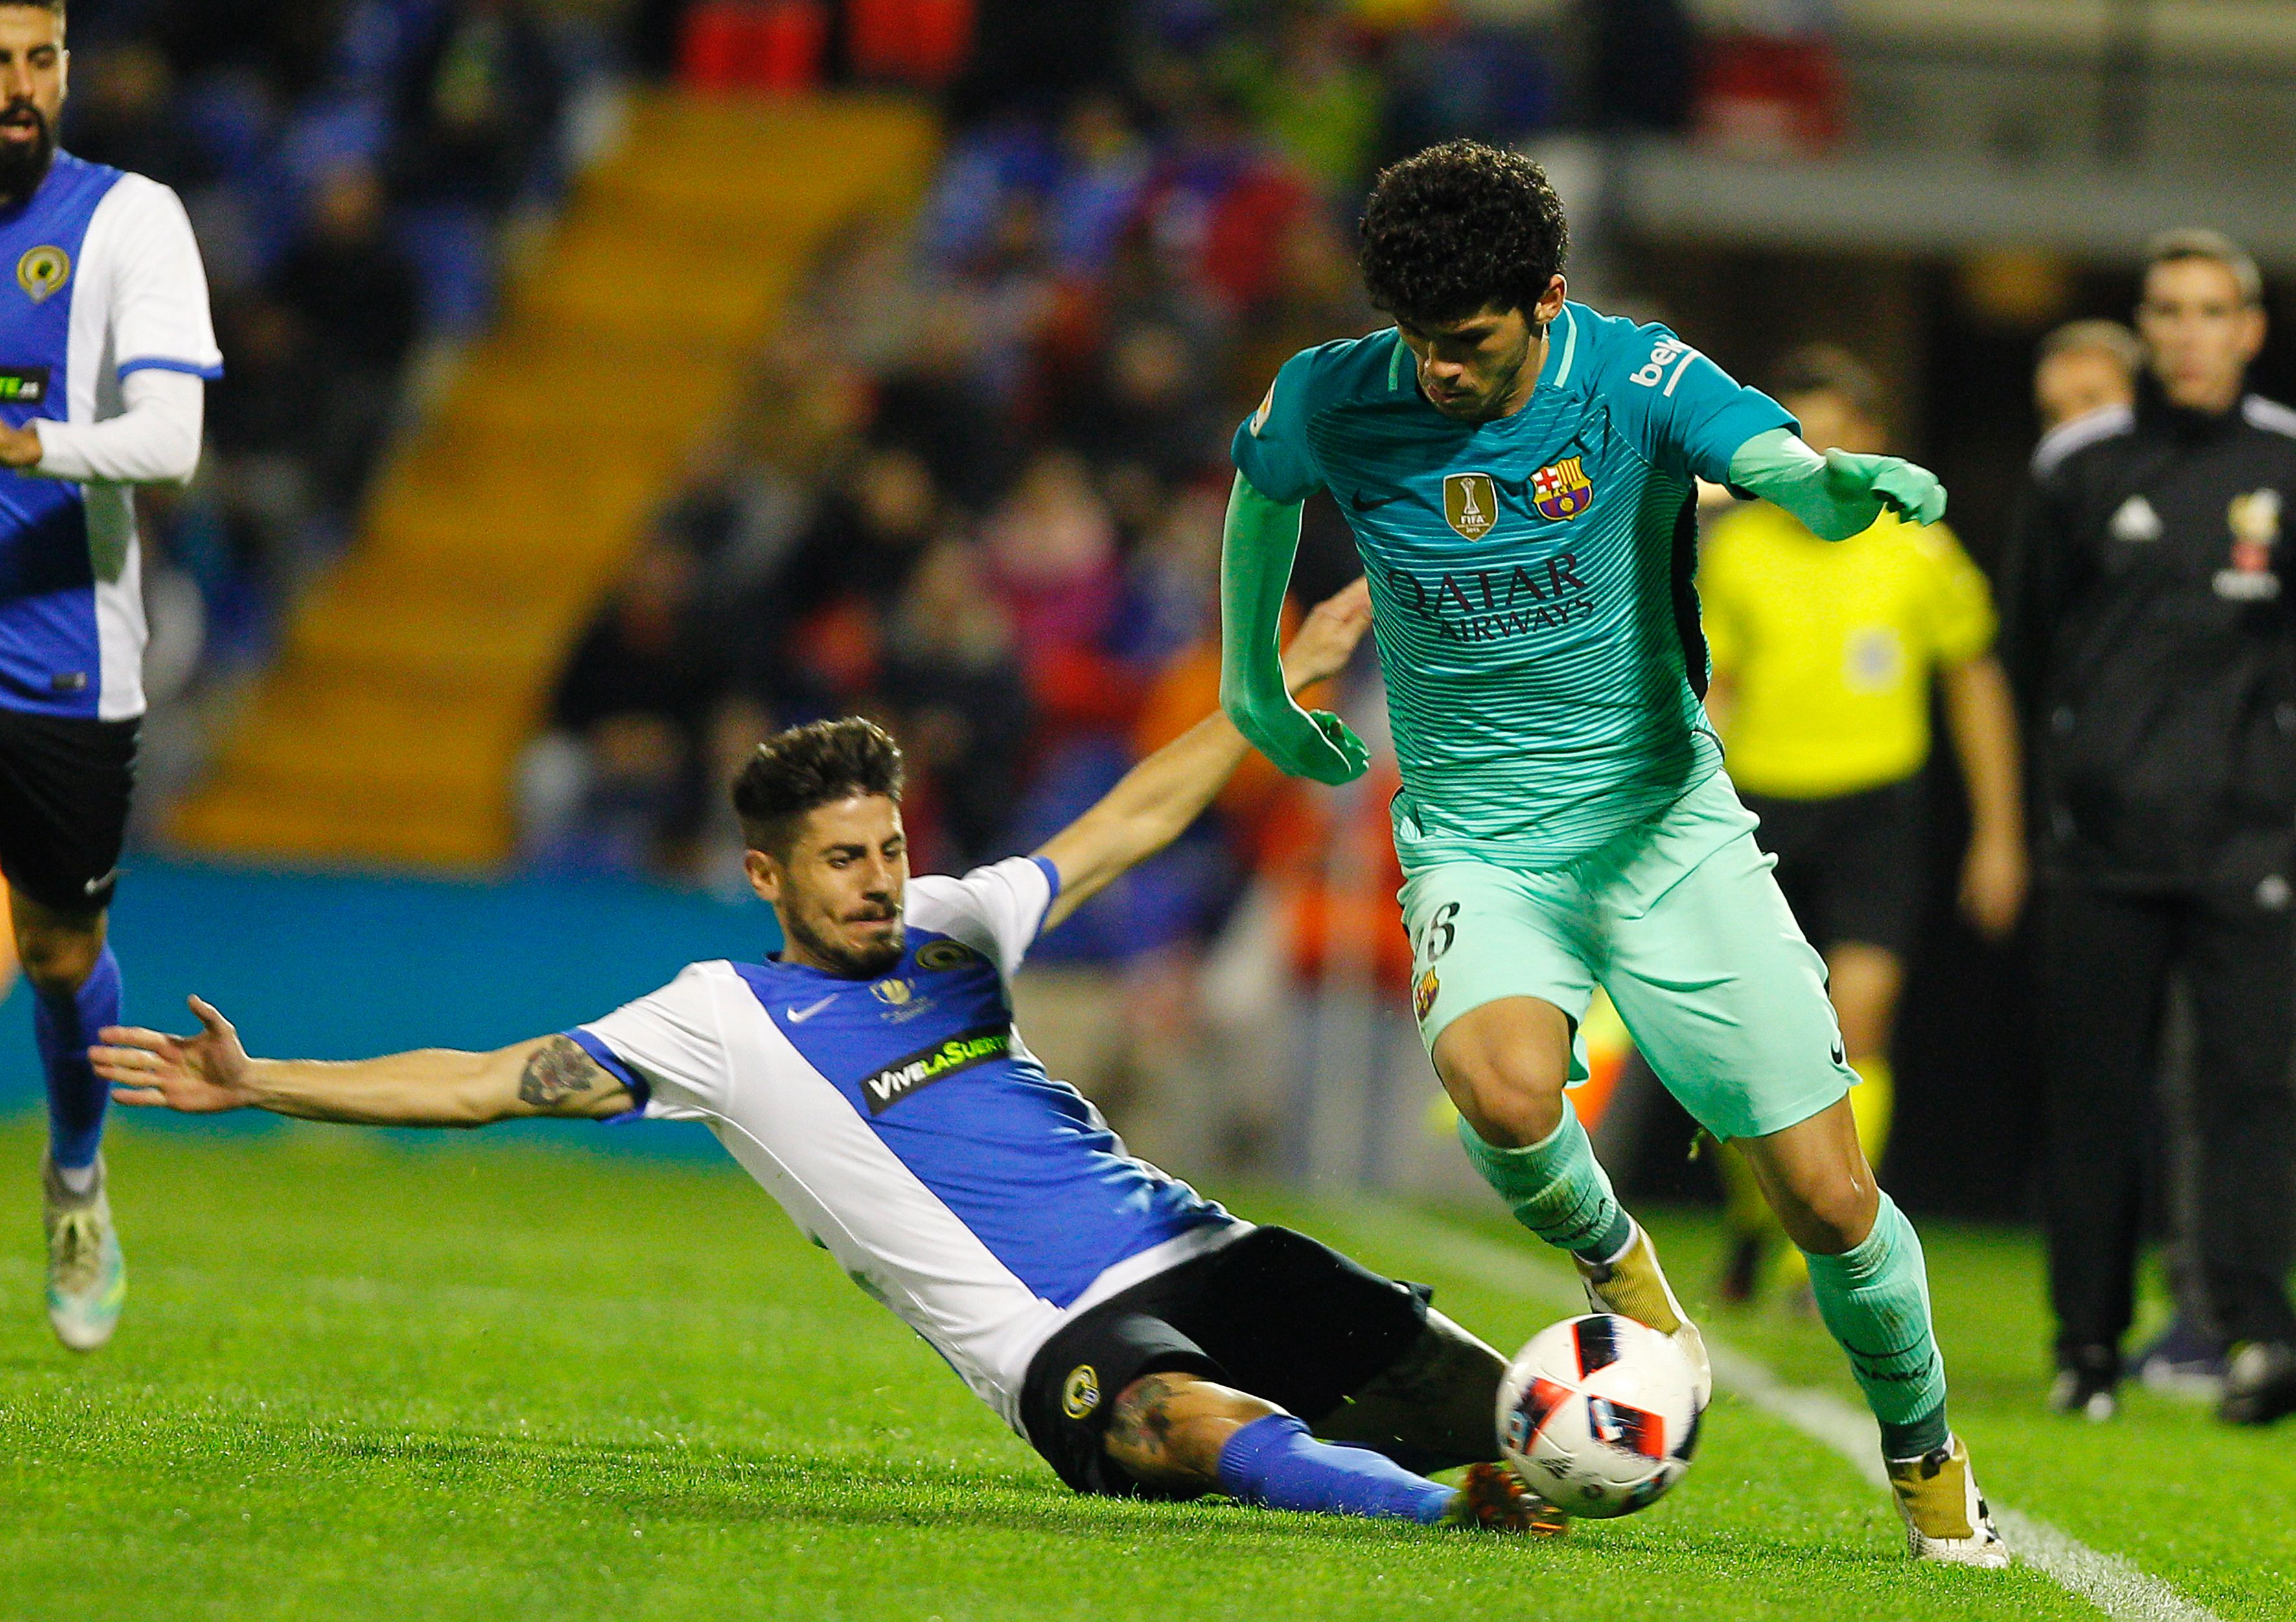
{"points": [[2084, 366], [2152, 651], [1824, 653], [104, 341]]}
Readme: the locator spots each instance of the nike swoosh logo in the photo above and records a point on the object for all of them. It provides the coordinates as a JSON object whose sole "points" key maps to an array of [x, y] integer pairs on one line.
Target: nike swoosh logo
{"points": [[1362, 503], [798, 1016]]}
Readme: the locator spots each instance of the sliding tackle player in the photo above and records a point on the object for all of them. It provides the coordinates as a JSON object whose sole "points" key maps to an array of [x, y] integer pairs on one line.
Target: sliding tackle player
{"points": [[1145, 1342]]}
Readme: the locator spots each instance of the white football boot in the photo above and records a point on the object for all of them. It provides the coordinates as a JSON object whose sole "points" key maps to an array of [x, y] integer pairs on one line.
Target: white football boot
{"points": [[1944, 1515], [87, 1277], [1635, 1286]]}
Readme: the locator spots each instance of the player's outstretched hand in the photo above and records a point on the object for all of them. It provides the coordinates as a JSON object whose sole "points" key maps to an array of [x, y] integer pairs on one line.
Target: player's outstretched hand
{"points": [[1904, 488], [1327, 639], [199, 1075], [1343, 757]]}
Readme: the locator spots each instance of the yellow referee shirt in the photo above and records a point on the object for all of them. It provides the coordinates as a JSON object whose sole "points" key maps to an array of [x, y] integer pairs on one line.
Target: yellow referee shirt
{"points": [[1830, 646]]}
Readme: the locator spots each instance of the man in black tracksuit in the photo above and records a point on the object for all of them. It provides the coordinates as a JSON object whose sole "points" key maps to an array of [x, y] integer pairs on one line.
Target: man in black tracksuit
{"points": [[2152, 637]]}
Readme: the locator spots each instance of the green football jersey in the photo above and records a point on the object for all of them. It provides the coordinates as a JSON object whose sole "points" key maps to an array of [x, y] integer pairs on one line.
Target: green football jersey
{"points": [[1530, 576]]}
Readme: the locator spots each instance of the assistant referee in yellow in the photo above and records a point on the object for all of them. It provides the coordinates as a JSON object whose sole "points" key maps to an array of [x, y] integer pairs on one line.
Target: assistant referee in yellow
{"points": [[1824, 656]]}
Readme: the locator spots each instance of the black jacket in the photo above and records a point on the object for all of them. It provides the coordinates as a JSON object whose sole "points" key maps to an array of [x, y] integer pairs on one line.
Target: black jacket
{"points": [[2151, 607]]}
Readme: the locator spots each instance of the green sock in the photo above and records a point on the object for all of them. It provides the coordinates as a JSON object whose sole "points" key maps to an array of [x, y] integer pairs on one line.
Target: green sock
{"points": [[1556, 1188], [1875, 1298]]}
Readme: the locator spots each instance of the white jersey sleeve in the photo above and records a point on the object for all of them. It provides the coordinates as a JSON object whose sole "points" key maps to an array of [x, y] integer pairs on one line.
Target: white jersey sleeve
{"points": [[666, 1047], [155, 440], [998, 910], [159, 288]]}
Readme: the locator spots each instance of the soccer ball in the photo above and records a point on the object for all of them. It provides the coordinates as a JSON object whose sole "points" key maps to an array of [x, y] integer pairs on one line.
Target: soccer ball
{"points": [[1598, 1415]]}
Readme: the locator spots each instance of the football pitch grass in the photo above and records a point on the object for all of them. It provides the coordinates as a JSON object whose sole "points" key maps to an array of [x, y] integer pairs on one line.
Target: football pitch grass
{"points": [[462, 1378]]}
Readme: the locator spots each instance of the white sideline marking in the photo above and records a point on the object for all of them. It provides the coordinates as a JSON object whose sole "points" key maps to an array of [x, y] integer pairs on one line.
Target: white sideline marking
{"points": [[2115, 1587]]}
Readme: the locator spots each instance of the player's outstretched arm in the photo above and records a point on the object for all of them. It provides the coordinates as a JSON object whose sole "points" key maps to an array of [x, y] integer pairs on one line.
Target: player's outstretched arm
{"points": [[1837, 494], [1256, 554], [211, 1072], [1164, 793]]}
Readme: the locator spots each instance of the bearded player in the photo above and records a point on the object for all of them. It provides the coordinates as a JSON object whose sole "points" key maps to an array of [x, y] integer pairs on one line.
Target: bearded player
{"points": [[104, 342], [870, 1075], [1518, 471]]}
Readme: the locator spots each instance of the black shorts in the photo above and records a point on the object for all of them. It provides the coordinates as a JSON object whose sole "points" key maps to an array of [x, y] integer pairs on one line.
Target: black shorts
{"points": [[1853, 867], [65, 788], [1273, 1314]]}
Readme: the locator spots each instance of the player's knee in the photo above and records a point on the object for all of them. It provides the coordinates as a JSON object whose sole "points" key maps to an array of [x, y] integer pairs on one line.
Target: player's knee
{"points": [[1510, 1100], [1831, 1213], [58, 956]]}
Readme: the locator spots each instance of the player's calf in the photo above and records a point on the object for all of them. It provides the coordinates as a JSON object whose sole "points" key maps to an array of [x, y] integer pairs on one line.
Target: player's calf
{"points": [[1184, 1434]]}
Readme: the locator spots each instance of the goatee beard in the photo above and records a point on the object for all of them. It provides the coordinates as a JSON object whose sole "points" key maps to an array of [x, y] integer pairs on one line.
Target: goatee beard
{"points": [[22, 169], [850, 965]]}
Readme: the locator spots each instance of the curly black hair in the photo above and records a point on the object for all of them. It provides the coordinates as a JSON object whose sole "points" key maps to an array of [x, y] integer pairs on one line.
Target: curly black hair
{"points": [[818, 763], [1460, 227]]}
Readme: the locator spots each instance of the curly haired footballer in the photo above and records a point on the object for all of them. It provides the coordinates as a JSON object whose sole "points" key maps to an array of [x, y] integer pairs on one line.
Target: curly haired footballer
{"points": [[1459, 228]]}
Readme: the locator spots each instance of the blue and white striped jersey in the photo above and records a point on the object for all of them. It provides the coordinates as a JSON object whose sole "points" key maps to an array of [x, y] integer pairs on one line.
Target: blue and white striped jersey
{"points": [[107, 281], [906, 1127]]}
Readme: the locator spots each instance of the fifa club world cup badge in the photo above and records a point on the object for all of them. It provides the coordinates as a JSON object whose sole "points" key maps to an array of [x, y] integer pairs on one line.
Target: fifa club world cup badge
{"points": [[2254, 521], [1470, 503], [1562, 490]]}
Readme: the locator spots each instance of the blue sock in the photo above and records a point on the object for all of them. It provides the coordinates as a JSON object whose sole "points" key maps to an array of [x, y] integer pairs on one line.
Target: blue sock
{"points": [[1275, 1462], [63, 1025]]}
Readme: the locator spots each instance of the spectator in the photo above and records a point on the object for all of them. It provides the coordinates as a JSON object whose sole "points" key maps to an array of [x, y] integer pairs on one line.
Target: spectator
{"points": [[122, 113], [2153, 651], [478, 103], [618, 780], [836, 585], [2084, 366], [953, 682], [356, 296]]}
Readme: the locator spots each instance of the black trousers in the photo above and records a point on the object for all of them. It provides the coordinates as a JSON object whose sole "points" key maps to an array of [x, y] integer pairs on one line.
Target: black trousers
{"points": [[2106, 960]]}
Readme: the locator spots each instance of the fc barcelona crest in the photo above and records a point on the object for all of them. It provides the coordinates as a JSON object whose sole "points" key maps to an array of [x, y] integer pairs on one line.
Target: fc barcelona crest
{"points": [[1561, 490], [1471, 503]]}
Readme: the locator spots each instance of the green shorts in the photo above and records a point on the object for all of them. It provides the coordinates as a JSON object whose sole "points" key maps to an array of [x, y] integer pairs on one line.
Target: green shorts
{"points": [[1681, 923]]}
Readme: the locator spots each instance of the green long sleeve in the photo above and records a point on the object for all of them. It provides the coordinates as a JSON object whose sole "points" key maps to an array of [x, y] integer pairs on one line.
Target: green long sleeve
{"points": [[1256, 552], [1839, 493]]}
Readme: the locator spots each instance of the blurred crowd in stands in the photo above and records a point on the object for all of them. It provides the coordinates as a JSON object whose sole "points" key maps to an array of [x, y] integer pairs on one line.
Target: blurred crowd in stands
{"points": [[350, 167], [980, 487]]}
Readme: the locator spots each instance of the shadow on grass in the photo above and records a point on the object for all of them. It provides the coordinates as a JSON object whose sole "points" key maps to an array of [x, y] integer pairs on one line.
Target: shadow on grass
{"points": [[667, 1481]]}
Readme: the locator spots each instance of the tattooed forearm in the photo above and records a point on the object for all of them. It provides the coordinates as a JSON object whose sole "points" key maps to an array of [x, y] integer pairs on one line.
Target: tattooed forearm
{"points": [[1140, 1423], [555, 1072]]}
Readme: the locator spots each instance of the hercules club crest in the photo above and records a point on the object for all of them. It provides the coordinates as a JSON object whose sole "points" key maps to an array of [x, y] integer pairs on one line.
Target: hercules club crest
{"points": [[1470, 503], [1561, 490]]}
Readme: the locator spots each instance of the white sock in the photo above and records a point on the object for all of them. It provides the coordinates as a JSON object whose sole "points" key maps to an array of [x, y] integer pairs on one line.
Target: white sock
{"points": [[77, 1179]]}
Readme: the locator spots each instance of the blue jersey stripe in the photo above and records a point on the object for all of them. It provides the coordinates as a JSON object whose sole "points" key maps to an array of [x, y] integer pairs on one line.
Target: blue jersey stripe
{"points": [[163, 363], [611, 1064], [51, 647], [928, 1057]]}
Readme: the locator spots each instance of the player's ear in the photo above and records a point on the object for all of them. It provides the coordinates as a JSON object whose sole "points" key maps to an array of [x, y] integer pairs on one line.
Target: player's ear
{"points": [[765, 875], [1550, 302]]}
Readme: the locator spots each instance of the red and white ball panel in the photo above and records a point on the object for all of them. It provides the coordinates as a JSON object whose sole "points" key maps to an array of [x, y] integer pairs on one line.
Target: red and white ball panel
{"points": [[1599, 1416]]}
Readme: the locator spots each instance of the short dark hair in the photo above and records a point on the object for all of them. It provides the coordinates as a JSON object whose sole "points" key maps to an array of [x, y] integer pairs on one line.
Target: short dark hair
{"points": [[818, 763], [2108, 338], [2193, 243], [1825, 368], [1458, 228]]}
